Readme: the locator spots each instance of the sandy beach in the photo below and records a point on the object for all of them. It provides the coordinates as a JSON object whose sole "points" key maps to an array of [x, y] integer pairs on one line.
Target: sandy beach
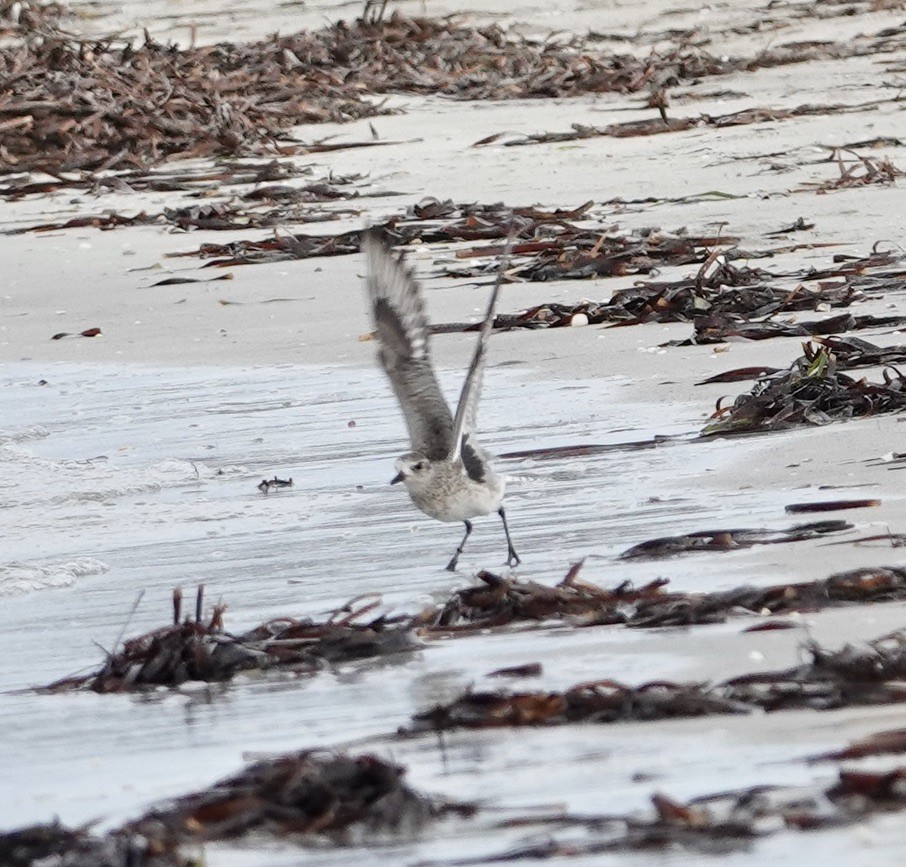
{"points": [[130, 460]]}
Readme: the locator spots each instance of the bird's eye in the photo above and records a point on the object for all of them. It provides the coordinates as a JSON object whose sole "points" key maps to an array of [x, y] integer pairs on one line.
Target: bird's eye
{"points": [[419, 466]]}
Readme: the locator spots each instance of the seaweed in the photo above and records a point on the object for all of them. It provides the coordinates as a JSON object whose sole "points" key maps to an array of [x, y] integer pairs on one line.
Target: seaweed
{"points": [[811, 391], [849, 677], [305, 795], [498, 602], [199, 649], [730, 540]]}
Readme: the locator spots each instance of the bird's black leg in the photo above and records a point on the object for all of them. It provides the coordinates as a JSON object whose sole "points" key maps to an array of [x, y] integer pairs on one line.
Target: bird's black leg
{"points": [[451, 566], [512, 558]]}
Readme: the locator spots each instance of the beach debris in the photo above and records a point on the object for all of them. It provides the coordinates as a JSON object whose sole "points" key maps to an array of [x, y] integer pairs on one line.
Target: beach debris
{"points": [[799, 226], [852, 352], [858, 171], [110, 103], [197, 182], [659, 124], [718, 328], [772, 626], [530, 669], [740, 374], [55, 844], [305, 796], [212, 217], [497, 602], [604, 701], [263, 207], [199, 649], [849, 353], [810, 392], [308, 793], [583, 449], [117, 103], [369, 798], [88, 332], [849, 677], [730, 540], [714, 824], [182, 281], [267, 484], [830, 506], [877, 744]]}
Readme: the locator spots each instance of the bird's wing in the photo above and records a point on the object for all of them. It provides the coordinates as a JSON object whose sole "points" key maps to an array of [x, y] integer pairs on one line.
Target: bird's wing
{"points": [[402, 329], [467, 409]]}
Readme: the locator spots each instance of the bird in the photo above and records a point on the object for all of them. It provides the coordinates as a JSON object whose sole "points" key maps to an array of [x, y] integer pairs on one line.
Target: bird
{"points": [[447, 474]]}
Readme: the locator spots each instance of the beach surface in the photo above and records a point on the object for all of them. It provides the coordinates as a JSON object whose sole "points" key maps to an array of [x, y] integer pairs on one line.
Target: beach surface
{"points": [[131, 459]]}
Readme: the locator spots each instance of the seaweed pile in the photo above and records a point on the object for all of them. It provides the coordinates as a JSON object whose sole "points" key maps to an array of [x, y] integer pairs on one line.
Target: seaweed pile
{"points": [[70, 103], [849, 677], [810, 392], [199, 649], [501, 601], [713, 825], [109, 103], [303, 795]]}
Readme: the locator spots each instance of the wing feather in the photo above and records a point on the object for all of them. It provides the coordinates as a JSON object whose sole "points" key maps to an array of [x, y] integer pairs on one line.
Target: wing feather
{"points": [[403, 331], [467, 409]]}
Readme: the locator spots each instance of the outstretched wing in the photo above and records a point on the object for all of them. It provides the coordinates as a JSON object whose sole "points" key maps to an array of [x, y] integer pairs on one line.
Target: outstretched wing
{"points": [[467, 408], [402, 329]]}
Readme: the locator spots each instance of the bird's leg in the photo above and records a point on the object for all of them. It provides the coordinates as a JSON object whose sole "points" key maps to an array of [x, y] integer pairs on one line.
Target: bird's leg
{"points": [[512, 558], [451, 566]]}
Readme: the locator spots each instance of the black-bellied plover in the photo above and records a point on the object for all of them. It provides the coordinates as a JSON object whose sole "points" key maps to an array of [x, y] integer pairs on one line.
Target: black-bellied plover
{"points": [[448, 475]]}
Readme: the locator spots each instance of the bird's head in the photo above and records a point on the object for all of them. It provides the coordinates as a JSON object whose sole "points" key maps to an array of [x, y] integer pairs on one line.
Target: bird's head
{"points": [[412, 470]]}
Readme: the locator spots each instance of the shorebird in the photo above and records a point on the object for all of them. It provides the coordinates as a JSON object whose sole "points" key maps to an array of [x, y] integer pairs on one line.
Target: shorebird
{"points": [[447, 474]]}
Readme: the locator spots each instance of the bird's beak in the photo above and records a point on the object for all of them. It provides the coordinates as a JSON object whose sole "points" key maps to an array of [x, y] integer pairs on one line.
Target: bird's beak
{"points": [[397, 478]]}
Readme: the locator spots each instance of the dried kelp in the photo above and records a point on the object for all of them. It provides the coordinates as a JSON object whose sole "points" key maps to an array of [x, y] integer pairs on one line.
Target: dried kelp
{"points": [[729, 540], [853, 352], [713, 824], [307, 793], [68, 103], [194, 181], [721, 298], [718, 328], [265, 206], [603, 702], [557, 249], [301, 796], [195, 649], [877, 744], [830, 506], [212, 217], [498, 602], [873, 171], [859, 171], [810, 392], [584, 449], [849, 677], [849, 353]]}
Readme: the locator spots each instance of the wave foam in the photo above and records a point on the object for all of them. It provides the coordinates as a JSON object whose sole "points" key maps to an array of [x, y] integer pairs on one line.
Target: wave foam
{"points": [[27, 577]]}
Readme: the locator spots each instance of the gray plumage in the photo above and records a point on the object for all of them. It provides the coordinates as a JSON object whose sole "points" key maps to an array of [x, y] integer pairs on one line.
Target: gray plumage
{"points": [[447, 474]]}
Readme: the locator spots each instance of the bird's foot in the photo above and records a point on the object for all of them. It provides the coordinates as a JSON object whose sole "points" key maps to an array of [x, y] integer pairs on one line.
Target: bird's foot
{"points": [[451, 566], [512, 558]]}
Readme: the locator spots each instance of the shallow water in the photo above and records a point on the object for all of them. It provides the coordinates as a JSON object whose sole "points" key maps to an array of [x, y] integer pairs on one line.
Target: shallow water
{"points": [[129, 480]]}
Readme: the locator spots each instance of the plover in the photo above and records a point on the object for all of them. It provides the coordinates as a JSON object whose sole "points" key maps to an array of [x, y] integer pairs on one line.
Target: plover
{"points": [[447, 474]]}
